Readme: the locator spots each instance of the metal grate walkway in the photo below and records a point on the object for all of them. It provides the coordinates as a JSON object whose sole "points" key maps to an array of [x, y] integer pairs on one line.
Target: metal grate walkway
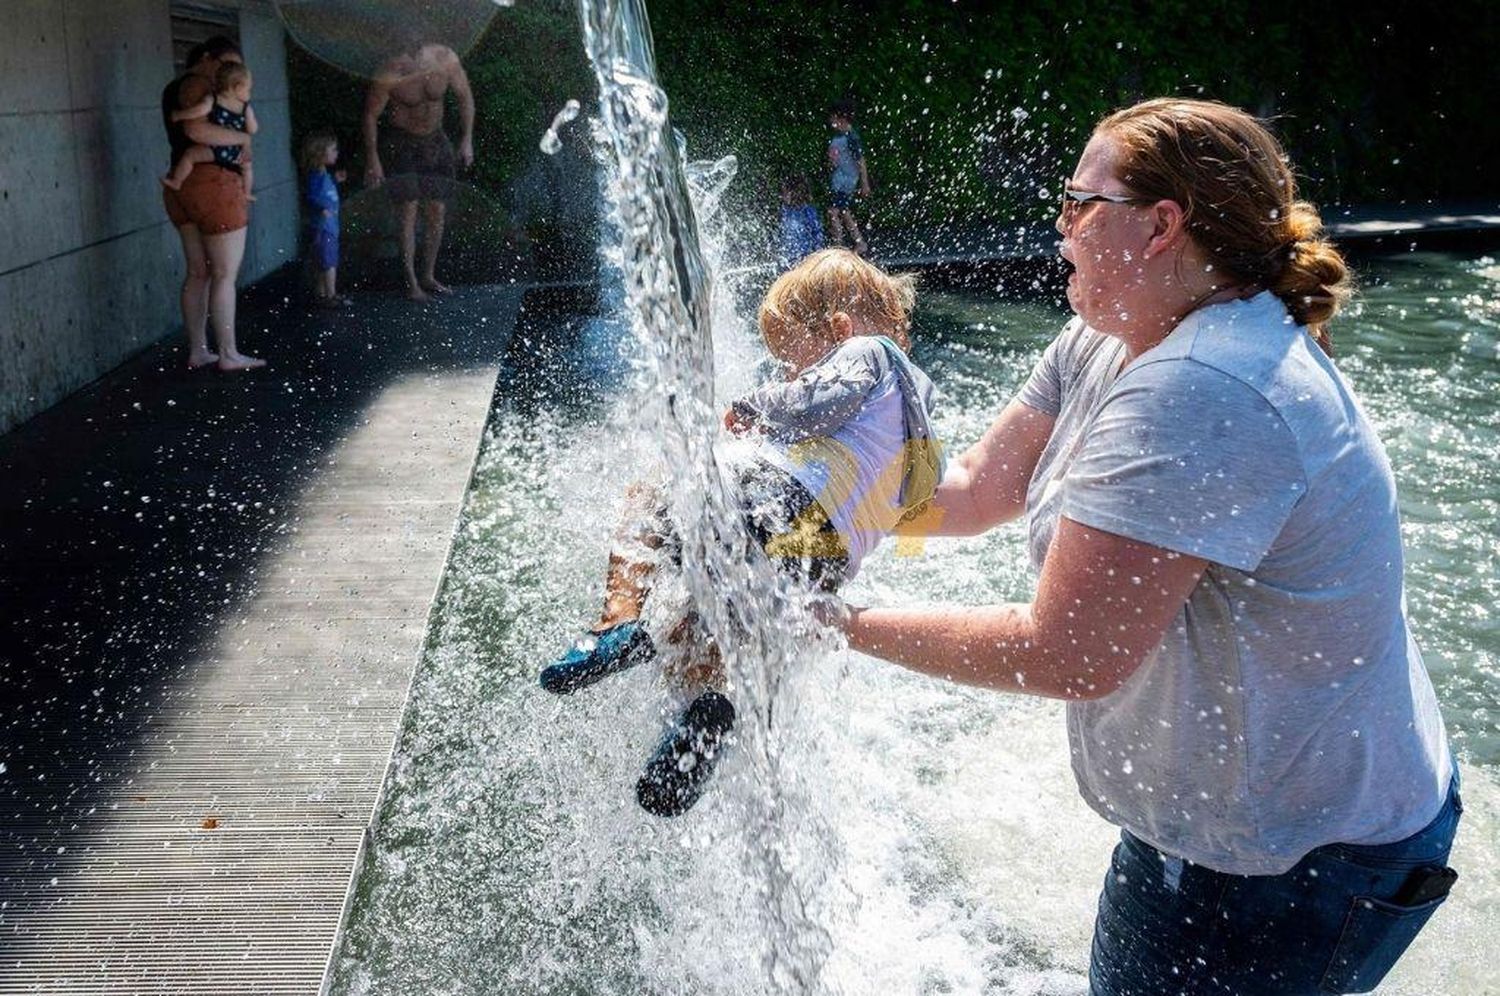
{"points": [[216, 591]]}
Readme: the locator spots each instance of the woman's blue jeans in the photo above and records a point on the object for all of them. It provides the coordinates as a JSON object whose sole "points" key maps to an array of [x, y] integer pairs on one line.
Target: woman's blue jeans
{"points": [[1167, 927]]}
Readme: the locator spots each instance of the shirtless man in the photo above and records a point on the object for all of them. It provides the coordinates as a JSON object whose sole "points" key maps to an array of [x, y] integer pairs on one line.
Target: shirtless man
{"points": [[414, 157]]}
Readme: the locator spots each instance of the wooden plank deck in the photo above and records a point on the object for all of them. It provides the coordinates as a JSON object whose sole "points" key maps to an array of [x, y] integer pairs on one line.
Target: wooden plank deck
{"points": [[216, 590]]}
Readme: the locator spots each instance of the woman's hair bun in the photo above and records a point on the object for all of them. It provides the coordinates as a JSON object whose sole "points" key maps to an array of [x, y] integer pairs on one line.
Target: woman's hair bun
{"points": [[1313, 280]]}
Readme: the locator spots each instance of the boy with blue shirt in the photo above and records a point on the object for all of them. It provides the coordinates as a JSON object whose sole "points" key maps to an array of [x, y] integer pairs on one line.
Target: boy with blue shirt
{"points": [[848, 175]]}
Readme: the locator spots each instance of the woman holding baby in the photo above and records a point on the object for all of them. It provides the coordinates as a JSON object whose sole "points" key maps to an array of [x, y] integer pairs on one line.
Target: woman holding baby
{"points": [[209, 203]]}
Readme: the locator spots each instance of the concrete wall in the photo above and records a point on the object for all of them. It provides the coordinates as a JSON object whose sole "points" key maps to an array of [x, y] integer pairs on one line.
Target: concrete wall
{"points": [[89, 264]]}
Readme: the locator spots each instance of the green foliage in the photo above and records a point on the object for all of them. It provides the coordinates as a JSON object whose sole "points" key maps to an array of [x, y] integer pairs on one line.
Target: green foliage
{"points": [[973, 111]]}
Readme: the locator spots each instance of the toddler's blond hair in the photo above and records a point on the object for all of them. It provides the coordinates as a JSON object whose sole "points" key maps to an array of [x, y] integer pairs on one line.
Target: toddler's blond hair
{"points": [[231, 75], [803, 300]]}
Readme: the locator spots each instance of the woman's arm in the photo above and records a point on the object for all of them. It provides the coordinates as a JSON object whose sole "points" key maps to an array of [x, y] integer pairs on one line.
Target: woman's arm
{"points": [[987, 485], [251, 124], [196, 92], [1103, 604]]}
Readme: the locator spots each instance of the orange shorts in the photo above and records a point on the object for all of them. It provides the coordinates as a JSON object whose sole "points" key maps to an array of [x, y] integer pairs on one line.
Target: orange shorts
{"points": [[213, 198]]}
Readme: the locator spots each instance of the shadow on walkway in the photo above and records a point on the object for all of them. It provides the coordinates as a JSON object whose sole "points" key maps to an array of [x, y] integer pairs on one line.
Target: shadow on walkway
{"points": [[135, 515]]}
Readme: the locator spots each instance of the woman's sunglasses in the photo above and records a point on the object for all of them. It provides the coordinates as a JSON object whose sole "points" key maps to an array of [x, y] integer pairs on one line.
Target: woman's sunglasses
{"points": [[1072, 200]]}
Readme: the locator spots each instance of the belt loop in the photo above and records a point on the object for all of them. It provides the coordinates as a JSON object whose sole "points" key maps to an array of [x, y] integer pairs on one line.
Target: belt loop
{"points": [[1171, 874]]}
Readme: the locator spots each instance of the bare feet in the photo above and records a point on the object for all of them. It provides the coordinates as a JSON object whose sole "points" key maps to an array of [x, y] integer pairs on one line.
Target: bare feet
{"points": [[432, 285], [170, 183], [414, 293], [861, 249], [239, 361], [203, 359]]}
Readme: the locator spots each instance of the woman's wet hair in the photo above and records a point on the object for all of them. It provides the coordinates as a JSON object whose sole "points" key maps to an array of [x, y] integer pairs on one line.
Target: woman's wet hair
{"points": [[1239, 198], [805, 297]]}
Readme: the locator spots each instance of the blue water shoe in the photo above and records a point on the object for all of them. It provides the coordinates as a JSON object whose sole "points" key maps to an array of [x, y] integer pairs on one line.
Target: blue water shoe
{"points": [[597, 655]]}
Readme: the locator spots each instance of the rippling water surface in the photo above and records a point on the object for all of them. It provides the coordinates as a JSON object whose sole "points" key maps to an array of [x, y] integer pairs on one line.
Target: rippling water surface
{"points": [[935, 831]]}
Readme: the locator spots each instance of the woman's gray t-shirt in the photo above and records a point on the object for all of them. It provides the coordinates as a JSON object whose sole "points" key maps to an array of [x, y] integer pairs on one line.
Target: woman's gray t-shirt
{"points": [[1287, 706]]}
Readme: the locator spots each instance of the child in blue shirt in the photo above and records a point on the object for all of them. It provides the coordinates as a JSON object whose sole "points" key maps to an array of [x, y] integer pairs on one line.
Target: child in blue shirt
{"points": [[320, 195], [847, 174], [801, 231]]}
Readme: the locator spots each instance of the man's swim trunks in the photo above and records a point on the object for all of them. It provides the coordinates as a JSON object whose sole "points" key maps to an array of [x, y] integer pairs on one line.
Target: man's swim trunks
{"points": [[418, 167]]}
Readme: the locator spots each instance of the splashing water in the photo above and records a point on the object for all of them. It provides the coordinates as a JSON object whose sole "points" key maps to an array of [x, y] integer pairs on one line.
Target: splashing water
{"points": [[551, 143], [887, 832], [669, 296]]}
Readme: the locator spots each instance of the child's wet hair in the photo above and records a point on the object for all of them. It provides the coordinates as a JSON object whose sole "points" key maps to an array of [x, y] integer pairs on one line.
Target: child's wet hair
{"points": [[830, 280], [842, 108], [231, 75], [796, 186]]}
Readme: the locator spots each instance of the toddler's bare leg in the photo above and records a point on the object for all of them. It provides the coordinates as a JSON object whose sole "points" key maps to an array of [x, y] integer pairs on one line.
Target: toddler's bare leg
{"points": [[854, 232], [699, 669], [626, 584], [184, 165], [628, 578], [701, 673], [248, 171]]}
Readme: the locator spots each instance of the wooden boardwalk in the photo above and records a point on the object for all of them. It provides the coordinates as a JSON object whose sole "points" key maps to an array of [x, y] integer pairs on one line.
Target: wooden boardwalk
{"points": [[216, 591]]}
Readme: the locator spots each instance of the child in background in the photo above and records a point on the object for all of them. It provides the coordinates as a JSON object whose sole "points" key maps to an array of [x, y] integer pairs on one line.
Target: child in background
{"points": [[320, 195], [828, 462], [228, 107], [848, 174], [801, 232]]}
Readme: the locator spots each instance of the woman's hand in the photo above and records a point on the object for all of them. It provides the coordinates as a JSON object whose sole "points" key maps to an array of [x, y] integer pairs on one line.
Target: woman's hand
{"points": [[374, 173]]}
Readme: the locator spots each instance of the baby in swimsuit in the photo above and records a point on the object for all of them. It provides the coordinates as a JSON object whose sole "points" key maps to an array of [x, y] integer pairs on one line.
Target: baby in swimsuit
{"points": [[228, 107]]}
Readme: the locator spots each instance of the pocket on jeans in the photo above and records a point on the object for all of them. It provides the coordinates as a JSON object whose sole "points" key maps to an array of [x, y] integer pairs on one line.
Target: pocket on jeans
{"points": [[1376, 933]]}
